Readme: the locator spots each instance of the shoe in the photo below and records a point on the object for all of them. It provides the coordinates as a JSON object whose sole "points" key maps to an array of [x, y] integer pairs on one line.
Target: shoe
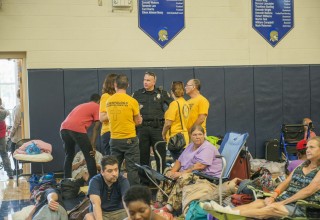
{"points": [[11, 177]]}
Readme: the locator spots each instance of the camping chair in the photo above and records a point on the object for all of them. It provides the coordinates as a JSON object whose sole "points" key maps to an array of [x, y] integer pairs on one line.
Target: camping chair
{"points": [[230, 149], [312, 212], [289, 137], [24, 158]]}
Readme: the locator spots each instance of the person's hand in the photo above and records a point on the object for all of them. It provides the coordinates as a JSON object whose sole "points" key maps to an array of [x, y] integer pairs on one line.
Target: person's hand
{"points": [[92, 153], [164, 137], [83, 162], [53, 205], [269, 200], [175, 175]]}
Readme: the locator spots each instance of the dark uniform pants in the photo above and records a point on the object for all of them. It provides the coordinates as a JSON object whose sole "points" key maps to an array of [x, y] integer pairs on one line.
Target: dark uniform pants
{"points": [[149, 136]]}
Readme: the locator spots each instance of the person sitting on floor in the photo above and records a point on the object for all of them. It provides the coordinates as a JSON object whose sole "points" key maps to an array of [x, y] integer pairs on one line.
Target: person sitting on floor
{"points": [[79, 165], [302, 184], [106, 191], [301, 154], [137, 202], [48, 201], [199, 155]]}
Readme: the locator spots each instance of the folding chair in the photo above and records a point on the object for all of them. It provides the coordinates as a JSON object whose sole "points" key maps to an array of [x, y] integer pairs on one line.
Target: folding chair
{"points": [[24, 158], [290, 135], [230, 149]]}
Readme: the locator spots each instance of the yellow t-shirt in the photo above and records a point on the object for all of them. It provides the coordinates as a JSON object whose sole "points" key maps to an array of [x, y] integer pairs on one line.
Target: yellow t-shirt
{"points": [[198, 105], [103, 108], [120, 109], [172, 114]]}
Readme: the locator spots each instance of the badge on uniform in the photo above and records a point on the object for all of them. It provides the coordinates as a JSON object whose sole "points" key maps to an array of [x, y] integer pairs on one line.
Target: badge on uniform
{"points": [[158, 96]]}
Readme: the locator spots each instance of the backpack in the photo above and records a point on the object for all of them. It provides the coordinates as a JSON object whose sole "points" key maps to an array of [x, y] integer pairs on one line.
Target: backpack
{"points": [[195, 212], [69, 188], [79, 211], [34, 181], [38, 185]]}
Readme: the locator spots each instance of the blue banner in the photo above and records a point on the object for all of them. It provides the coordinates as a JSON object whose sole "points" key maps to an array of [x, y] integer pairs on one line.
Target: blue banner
{"points": [[272, 19], [162, 20]]}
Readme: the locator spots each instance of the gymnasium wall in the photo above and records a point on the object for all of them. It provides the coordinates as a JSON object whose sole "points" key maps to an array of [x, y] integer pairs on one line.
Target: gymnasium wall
{"points": [[81, 34], [253, 99]]}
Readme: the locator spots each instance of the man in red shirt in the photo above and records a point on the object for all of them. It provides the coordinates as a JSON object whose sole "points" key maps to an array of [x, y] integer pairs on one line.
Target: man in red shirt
{"points": [[74, 131]]}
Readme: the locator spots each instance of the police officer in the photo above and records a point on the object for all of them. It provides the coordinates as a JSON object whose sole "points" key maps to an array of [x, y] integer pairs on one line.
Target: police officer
{"points": [[152, 103]]}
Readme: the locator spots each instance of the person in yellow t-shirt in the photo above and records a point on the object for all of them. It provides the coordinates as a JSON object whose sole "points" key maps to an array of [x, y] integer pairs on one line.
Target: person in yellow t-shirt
{"points": [[198, 104], [123, 114], [175, 121], [107, 91]]}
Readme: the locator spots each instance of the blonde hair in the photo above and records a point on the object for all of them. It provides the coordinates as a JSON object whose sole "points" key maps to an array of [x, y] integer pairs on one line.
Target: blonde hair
{"points": [[177, 89]]}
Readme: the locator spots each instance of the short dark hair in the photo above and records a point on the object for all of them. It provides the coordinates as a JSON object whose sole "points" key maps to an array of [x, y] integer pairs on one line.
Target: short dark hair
{"points": [[95, 97], [122, 81], [137, 193], [108, 160], [151, 74]]}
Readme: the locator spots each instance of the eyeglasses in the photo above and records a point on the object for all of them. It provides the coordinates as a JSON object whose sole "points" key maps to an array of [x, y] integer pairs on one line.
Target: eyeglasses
{"points": [[189, 85]]}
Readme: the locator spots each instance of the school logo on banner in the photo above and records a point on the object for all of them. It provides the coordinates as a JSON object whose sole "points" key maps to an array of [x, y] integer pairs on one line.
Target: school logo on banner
{"points": [[272, 19], [161, 20]]}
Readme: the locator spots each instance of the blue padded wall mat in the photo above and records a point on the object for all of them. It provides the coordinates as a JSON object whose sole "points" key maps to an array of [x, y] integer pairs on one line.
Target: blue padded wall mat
{"points": [[46, 109], [183, 74], [296, 94], [214, 92], [268, 105], [315, 96], [240, 102], [79, 85]]}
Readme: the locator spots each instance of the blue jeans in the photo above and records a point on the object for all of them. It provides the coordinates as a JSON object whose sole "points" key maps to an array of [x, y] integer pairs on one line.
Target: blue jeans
{"points": [[127, 149]]}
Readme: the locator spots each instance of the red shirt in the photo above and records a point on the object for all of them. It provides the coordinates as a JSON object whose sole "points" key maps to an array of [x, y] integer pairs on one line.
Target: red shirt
{"points": [[2, 129], [81, 117]]}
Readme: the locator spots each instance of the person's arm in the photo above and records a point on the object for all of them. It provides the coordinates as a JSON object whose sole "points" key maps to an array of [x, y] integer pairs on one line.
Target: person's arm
{"points": [[96, 205], [137, 119], [103, 117], [309, 190], [280, 189], [173, 173], [95, 134], [196, 166], [166, 127], [200, 120], [53, 201], [16, 121], [78, 164], [31, 213]]}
